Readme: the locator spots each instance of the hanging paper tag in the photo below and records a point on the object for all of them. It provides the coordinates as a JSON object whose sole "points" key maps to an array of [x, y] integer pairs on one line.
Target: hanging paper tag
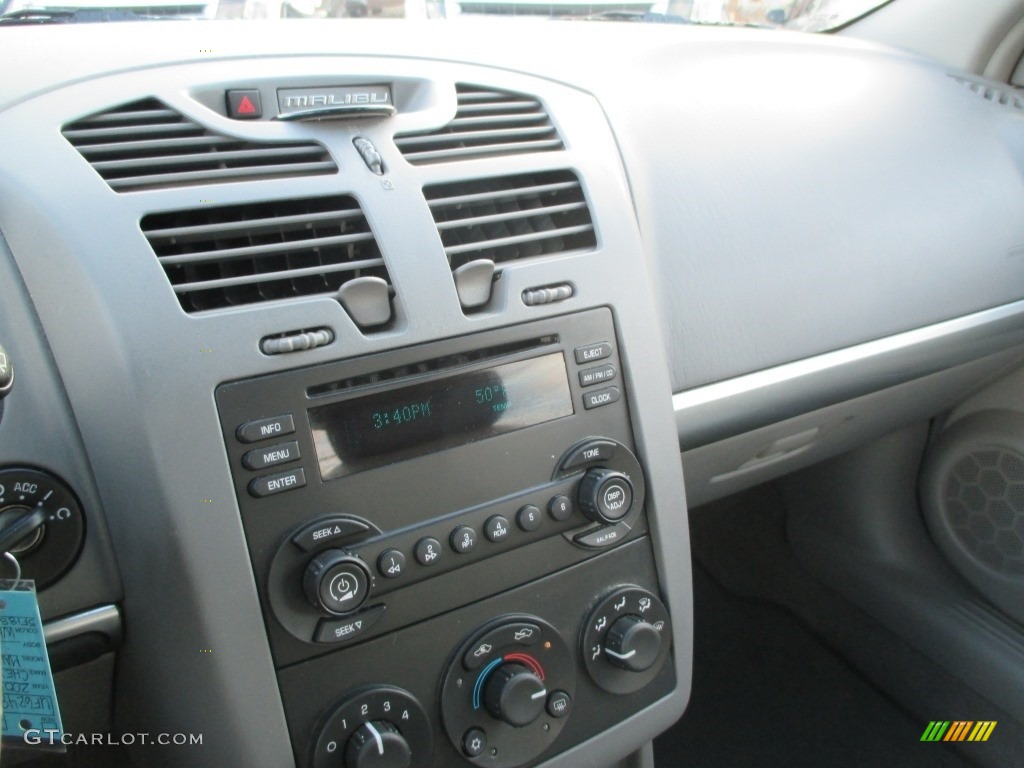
{"points": [[31, 717]]}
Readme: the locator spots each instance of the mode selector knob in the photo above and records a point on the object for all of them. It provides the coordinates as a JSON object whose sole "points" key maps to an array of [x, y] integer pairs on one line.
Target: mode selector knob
{"points": [[605, 495], [632, 643], [336, 581], [377, 744], [515, 694]]}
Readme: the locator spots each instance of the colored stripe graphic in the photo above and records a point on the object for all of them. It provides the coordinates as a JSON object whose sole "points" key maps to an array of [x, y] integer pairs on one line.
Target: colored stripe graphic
{"points": [[958, 731], [982, 730], [935, 731]]}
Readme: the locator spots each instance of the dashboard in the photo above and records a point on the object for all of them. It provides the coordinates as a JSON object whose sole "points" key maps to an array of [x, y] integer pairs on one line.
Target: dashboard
{"points": [[354, 362]]}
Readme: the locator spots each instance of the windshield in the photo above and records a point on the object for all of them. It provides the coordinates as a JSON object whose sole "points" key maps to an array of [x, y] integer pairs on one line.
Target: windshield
{"points": [[805, 15]]}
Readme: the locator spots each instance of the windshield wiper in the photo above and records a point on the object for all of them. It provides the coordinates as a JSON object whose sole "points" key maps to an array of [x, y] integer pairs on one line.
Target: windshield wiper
{"points": [[68, 16], [662, 18], [637, 16]]}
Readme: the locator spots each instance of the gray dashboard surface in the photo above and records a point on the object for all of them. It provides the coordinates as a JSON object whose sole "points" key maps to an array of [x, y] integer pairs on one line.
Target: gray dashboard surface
{"points": [[140, 374], [797, 194]]}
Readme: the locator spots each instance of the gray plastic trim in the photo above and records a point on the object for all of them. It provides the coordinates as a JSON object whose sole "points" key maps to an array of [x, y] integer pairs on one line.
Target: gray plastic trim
{"points": [[106, 620], [732, 407]]}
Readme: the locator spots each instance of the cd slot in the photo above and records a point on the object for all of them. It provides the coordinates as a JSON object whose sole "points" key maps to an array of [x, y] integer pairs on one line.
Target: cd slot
{"points": [[447, 362]]}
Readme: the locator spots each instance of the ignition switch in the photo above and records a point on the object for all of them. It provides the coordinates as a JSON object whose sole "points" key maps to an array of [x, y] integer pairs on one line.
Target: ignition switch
{"points": [[46, 509]]}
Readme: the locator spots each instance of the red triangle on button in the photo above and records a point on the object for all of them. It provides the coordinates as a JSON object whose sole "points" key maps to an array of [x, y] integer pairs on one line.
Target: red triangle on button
{"points": [[246, 107]]}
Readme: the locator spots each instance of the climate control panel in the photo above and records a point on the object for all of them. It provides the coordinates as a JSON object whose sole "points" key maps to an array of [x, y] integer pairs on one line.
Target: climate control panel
{"points": [[507, 694], [492, 684]]}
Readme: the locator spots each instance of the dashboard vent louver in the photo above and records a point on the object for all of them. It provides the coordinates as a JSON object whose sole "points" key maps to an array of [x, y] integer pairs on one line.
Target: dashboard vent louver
{"points": [[148, 145], [487, 123], [511, 217], [217, 257], [1002, 95]]}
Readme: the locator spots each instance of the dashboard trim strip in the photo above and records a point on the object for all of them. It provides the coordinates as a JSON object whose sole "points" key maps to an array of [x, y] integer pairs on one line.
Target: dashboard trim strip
{"points": [[732, 407], [105, 619]]}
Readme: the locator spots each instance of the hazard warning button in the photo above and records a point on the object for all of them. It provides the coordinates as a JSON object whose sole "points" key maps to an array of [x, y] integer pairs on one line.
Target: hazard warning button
{"points": [[244, 105]]}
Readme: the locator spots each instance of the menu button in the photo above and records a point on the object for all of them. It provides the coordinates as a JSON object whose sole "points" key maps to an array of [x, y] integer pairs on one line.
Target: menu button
{"points": [[261, 458]]}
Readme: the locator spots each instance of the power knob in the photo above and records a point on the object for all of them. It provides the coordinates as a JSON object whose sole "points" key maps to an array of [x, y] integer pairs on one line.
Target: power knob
{"points": [[632, 643], [605, 495], [515, 694], [336, 582], [377, 744]]}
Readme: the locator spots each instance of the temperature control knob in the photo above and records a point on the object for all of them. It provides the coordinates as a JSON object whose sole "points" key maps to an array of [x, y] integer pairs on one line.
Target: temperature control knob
{"points": [[377, 744], [605, 495], [336, 582], [515, 694], [632, 643]]}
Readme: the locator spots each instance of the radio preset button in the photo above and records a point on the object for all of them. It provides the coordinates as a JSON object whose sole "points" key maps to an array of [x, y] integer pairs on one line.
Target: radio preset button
{"points": [[279, 483], [600, 397], [265, 429], [271, 456], [391, 564], [560, 508], [463, 539], [529, 518], [597, 375], [496, 528], [428, 551], [595, 450], [593, 352]]}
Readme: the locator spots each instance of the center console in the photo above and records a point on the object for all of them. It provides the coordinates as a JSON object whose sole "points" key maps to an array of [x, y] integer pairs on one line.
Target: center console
{"points": [[451, 546]]}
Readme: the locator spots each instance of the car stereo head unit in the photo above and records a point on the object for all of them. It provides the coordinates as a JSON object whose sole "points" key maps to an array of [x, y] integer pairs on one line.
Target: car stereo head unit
{"points": [[387, 493]]}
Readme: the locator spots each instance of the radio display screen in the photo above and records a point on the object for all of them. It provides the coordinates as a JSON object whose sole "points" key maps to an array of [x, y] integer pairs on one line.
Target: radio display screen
{"points": [[413, 420]]}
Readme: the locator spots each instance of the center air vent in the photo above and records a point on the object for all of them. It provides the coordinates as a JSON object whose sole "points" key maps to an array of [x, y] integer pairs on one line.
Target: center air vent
{"points": [[147, 145], [511, 217], [487, 123], [230, 256]]}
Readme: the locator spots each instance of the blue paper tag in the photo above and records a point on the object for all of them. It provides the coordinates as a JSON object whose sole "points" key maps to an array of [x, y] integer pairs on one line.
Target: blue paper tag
{"points": [[30, 712]]}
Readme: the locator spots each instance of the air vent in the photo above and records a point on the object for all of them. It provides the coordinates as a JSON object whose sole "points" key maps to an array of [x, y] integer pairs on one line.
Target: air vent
{"points": [[147, 145], [218, 257], [511, 217], [996, 93], [487, 123]]}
